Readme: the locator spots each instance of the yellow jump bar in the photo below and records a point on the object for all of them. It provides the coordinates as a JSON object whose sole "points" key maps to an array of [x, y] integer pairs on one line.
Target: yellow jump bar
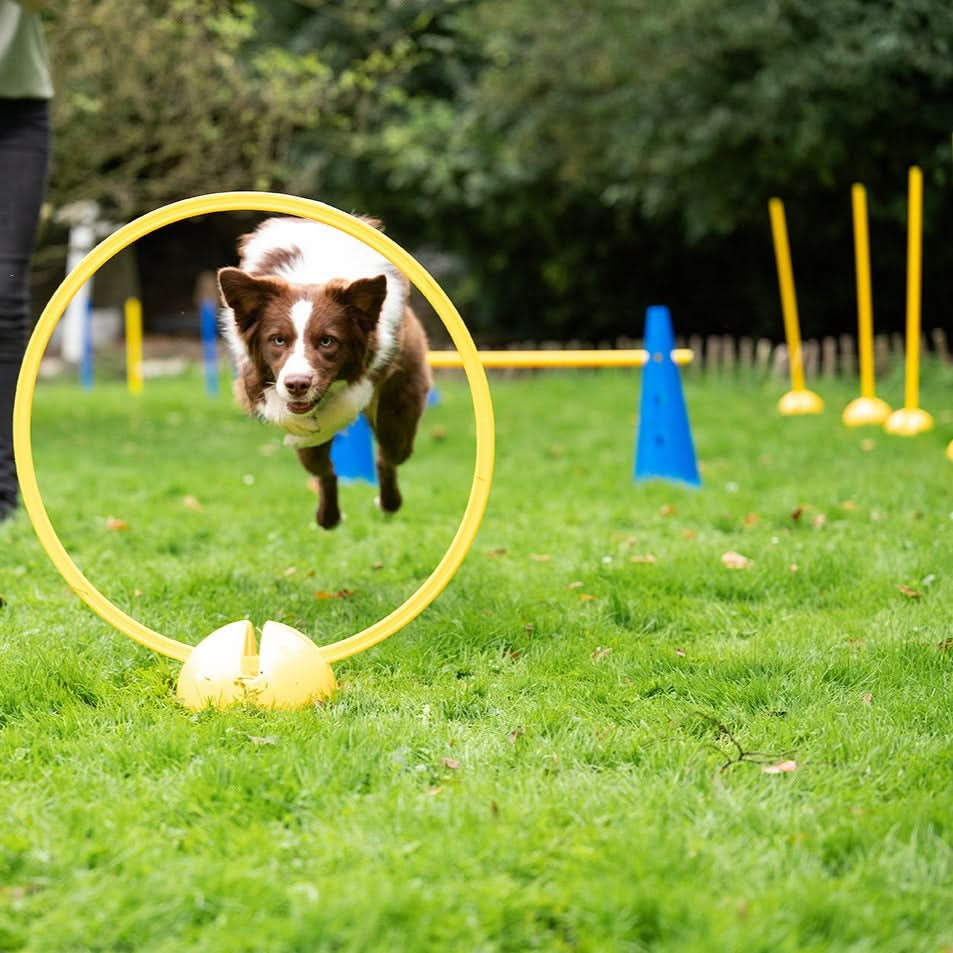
{"points": [[538, 359]]}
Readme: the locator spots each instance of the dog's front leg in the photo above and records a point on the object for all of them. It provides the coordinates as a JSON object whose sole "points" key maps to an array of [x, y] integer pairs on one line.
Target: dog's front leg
{"points": [[317, 460]]}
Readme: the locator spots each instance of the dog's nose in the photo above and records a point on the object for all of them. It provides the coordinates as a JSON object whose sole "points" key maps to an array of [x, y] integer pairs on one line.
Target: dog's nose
{"points": [[297, 384]]}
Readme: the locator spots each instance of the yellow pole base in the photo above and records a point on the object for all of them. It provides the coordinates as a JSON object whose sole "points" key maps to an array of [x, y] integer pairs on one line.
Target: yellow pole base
{"points": [[288, 671], [949, 451], [800, 402], [908, 422], [862, 411]]}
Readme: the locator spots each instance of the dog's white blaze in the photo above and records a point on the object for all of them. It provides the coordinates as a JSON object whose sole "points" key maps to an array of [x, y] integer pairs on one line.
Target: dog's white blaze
{"points": [[297, 362]]}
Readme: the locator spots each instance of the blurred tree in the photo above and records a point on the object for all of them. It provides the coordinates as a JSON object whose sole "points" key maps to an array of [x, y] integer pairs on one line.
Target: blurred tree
{"points": [[580, 160]]}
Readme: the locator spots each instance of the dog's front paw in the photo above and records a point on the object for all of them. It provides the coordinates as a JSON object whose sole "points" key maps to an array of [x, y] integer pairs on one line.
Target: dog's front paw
{"points": [[329, 515], [390, 500]]}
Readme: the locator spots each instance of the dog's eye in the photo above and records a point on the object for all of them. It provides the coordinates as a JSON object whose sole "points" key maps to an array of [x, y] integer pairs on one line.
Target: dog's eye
{"points": [[278, 340], [326, 341]]}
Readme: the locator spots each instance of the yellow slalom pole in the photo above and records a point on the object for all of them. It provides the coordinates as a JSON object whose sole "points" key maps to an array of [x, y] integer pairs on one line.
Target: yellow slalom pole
{"points": [[134, 345], [799, 400], [868, 408], [911, 419]]}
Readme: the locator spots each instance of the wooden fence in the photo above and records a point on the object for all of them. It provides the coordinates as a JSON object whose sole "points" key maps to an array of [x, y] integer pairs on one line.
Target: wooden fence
{"points": [[717, 353]]}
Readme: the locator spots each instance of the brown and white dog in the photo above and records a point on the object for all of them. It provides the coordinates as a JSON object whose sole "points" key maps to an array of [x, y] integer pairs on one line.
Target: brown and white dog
{"points": [[321, 330]]}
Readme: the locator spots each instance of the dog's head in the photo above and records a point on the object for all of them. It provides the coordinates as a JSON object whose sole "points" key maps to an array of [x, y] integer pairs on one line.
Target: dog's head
{"points": [[301, 338]]}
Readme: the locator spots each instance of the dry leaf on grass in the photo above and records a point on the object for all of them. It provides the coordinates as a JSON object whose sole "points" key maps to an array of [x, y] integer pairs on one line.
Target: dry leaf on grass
{"points": [[793, 567], [600, 653], [497, 551], [751, 519], [340, 594], [782, 767], [690, 534], [819, 521], [540, 557], [574, 585], [797, 513], [438, 433], [910, 593], [733, 560], [516, 734], [113, 524], [586, 597], [451, 764], [867, 698], [867, 445], [191, 503], [644, 558], [680, 652], [666, 509]]}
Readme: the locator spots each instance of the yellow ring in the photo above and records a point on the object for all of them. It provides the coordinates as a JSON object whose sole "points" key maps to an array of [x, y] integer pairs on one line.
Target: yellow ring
{"points": [[283, 205]]}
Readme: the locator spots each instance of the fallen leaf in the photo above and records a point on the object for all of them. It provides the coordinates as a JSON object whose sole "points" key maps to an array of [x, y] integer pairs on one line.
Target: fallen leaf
{"points": [[689, 534], [750, 520], [680, 652], [782, 767], [848, 505], [136, 592], [867, 445], [263, 739], [586, 597], [733, 560], [793, 567], [540, 557], [494, 809], [600, 653], [529, 627], [433, 792], [191, 503], [290, 571], [910, 593], [797, 513], [516, 734], [856, 643], [340, 594], [451, 764], [946, 645], [666, 509], [498, 551], [644, 558], [819, 520], [113, 524], [868, 698], [574, 585], [438, 433]]}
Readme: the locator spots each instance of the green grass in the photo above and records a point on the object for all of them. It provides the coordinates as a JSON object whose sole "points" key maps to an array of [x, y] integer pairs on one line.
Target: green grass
{"points": [[521, 768]]}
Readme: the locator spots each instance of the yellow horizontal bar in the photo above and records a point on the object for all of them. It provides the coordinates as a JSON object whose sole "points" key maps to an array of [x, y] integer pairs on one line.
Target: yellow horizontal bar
{"points": [[608, 358]]}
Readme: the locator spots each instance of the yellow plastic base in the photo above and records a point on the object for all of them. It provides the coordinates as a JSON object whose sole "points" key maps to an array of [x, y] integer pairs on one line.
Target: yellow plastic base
{"points": [[949, 451], [800, 402], [908, 422], [863, 411], [288, 671]]}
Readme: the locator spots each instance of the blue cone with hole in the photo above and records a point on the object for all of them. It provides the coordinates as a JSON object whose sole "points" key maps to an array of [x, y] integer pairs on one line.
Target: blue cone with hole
{"points": [[352, 453], [664, 447]]}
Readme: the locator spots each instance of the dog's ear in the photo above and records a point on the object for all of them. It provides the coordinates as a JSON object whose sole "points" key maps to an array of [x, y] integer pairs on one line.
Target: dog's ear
{"points": [[247, 294], [363, 299]]}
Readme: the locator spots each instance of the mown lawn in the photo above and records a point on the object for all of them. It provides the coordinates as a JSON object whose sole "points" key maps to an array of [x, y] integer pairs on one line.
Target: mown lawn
{"points": [[566, 752]]}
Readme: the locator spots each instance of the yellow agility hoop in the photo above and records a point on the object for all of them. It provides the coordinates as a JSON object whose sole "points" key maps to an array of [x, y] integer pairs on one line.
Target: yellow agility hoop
{"points": [[283, 205]]}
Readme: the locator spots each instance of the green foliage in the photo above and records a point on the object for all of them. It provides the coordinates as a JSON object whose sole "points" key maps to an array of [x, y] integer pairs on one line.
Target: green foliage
{"points": [[578, 161], [520, 768]]}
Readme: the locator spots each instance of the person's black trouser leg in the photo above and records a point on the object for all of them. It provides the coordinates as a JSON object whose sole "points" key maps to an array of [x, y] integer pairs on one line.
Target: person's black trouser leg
{"points": [[24, 157]]}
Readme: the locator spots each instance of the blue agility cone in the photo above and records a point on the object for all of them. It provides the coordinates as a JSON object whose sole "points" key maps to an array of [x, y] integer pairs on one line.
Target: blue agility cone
{"points": [[664, 448], [352, 452]]}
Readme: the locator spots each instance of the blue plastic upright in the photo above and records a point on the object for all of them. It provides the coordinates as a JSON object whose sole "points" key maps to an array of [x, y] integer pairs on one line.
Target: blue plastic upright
{"points": [[352, 452], [664, 448]]}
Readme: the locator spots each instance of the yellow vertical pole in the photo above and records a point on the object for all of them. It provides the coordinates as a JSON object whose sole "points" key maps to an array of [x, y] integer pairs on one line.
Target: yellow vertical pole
{"points": [[914, 272], [134, 345], [865, 317], [798, 400], [868, 408], [910, 419]]}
